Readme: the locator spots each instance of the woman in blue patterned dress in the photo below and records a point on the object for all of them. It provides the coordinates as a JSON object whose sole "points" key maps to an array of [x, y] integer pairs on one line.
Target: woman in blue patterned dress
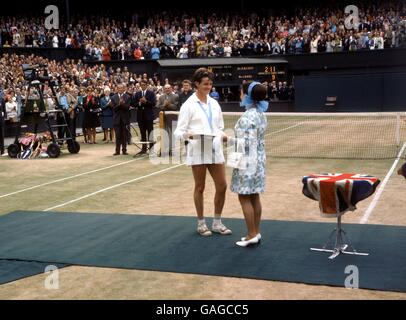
{"points": [[250, 182]]}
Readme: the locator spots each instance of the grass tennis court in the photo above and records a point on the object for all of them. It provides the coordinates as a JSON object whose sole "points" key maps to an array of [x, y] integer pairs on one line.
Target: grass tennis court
{"points": [[95, 181]]}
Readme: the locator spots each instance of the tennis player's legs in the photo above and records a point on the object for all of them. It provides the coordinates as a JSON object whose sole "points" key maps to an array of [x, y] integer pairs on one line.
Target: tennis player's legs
{"points": [[199, 175], [218, 173]]}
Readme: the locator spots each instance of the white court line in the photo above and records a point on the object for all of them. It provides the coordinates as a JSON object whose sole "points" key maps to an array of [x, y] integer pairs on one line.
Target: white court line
{"points": [[137, 179], [114, 186], [374, 201], [97, 170], [68, 178], [281, 130]]}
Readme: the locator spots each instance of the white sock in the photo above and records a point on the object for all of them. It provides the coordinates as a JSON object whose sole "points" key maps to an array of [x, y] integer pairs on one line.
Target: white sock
{"points": [[201, 221], [217, 219]]}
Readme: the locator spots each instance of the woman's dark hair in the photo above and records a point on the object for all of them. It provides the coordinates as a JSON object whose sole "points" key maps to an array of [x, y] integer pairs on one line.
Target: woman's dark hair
{"points": [[202, 73], [258, 93]]}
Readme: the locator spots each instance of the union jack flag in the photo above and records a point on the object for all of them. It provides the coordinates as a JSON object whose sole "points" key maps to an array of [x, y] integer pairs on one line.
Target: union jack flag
{"points": [[338, 192]]}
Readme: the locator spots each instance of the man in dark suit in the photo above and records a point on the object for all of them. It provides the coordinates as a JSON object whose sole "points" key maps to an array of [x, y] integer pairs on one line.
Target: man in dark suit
{"points": [[2, 117], [121, 117], [187, 91], [144, 101]]}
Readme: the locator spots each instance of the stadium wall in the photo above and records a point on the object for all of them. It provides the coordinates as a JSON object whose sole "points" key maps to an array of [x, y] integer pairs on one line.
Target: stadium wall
{"points": [[374, 92]]}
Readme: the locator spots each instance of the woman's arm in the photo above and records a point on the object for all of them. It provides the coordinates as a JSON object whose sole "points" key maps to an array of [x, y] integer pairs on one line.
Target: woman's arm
{"points": [[183, 123], [104, 102], [220, 121], [247, 139]]}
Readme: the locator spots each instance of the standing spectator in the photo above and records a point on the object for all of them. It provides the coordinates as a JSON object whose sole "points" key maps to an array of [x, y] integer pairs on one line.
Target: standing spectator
{"points": [[67, 102], [169, 101], [155, 52], [2, 116], [187, 91], [19, 100], [79, 109], [144, 102], [227, 49], [107, 115], [138, 53], [214, 94], [11, 107], [106, 55], [72, 94], [183, 52], [91, 118], [16, 38], [314, 44], [55, 41], [121, 118]]}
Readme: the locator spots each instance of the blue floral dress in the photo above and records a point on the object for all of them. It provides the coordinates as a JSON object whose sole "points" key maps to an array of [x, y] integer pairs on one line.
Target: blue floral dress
{"points": [[250, 131]]}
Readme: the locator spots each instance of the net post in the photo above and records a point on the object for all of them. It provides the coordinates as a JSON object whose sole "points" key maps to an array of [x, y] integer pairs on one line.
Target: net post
{"points": [[398, 130], [161, 128]]}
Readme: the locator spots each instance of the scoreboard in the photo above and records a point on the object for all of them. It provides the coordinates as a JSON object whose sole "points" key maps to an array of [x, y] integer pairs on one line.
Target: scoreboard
{"points": [[229, 73], [238, 73]]}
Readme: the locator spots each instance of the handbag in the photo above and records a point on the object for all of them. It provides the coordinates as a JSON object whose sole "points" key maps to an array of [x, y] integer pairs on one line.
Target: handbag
{"points": [[237, 159]]}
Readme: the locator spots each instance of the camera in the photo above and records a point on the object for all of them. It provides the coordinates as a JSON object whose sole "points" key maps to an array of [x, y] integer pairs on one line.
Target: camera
{"points": [[31, 72]]}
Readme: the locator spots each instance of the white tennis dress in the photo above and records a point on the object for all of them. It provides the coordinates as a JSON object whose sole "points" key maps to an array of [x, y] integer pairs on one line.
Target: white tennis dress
{"points": [[196, 117]]}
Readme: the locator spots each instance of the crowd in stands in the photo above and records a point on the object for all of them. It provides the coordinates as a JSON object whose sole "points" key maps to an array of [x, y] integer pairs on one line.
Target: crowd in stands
{"points": [[222, 34], [77, 81]]}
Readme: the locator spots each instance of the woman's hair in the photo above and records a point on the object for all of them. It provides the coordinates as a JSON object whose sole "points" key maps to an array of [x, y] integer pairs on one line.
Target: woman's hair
{"points": [[258, 93], [202, 73]]}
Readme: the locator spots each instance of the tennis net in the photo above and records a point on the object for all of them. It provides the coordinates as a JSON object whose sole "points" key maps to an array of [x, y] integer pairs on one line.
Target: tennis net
{"points": [[378, 135]]}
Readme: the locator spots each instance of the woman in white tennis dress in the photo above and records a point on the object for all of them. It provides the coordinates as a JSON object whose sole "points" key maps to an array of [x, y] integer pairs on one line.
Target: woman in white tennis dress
{"points": [[201, 123]]}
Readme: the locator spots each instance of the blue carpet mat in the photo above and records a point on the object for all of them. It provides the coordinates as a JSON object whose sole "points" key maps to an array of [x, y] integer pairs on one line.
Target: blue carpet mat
{"points": [[170, 243]]}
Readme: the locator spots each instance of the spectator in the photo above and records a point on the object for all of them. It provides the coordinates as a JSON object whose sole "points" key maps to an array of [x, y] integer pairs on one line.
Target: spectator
{"points": [[214, 94], [107, 115], [91, 118], [121, 118], [145, 101], [187, 91], [183, 52], [169, 101], [106, 55], [155, 52], [227, 50], [138, 53], [11, 107]]}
